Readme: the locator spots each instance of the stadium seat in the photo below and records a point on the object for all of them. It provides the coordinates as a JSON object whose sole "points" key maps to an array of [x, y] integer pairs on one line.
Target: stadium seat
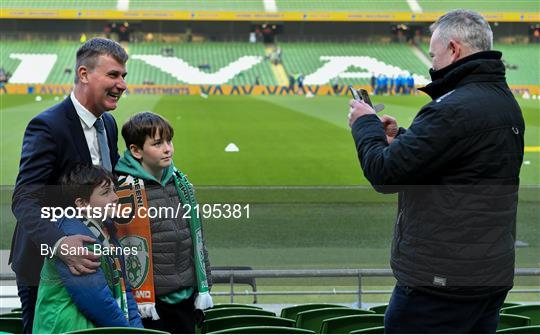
{"points": [[233, 311], [379, 309], [18, 309], [11, 315], [291, 312], [520, 330], [117, 330], [346, 324], [313, 319], [11, 325], [372, 330], [530, 311], [512, 321], [264, 330], [216, 306], [244, 321], [510, 304]]}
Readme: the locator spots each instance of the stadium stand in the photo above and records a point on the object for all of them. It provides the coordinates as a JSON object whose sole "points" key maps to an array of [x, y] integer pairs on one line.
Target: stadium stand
{"points": [[238, 63], [63, 53], [222, 60], [208, 58], [521, 61], [234, 5], [482, 6], [392, 59], [60, 4], [340, 6], [283, 5]]}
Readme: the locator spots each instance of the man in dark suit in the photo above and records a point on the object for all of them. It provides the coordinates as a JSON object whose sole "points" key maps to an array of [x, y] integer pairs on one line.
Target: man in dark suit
{"points": [[77, 130]]}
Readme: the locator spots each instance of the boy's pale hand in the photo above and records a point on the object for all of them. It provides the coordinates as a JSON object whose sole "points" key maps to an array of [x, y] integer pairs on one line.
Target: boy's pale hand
{"points": [[79, 263]]}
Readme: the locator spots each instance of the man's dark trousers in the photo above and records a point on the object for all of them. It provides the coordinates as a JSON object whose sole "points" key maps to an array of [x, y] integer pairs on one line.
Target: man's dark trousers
{"points": [[177, 318], [28, 297], [414, 311]]}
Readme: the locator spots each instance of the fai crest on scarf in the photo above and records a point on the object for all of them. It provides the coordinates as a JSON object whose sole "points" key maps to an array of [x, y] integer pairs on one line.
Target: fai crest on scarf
{"points": [[137, 263]]}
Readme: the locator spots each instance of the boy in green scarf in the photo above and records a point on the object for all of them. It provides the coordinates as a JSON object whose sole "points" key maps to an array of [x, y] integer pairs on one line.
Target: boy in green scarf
{"points": [[66, 302], [171, 284]]}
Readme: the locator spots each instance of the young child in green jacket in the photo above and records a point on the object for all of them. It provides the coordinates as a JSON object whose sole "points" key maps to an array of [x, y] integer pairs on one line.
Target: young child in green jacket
{"points": [[66, 302]]}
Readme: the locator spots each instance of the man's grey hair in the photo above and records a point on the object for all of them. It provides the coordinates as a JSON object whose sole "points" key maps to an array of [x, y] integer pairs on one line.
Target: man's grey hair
{"points": [[89, 52], [465, 26]]}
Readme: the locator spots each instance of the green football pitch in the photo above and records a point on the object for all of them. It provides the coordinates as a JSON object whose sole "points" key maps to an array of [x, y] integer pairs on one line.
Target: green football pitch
{"points": [[310, 206]]}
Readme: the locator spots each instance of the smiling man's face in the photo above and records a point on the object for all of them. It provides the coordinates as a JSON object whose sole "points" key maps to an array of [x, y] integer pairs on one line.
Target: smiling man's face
{"points": [[105, 85]]}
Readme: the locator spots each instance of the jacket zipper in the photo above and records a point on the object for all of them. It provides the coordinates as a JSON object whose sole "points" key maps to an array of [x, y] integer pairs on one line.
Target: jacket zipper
{"points": [[398, 227]]}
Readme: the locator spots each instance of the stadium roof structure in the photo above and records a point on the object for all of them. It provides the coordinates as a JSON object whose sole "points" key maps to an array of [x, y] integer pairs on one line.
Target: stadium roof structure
{"points": [[267, 10]]}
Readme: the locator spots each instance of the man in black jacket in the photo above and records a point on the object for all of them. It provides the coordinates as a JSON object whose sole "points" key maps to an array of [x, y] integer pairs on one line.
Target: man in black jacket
{"points": [[457, 173]]}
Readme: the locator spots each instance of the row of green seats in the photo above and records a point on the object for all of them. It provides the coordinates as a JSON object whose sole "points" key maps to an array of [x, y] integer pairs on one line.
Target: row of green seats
{"points": [[305, 318]]}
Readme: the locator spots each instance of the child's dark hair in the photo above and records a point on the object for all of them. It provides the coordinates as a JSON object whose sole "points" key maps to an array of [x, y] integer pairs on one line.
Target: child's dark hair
{"points": [[81, 181], [144, 124]]}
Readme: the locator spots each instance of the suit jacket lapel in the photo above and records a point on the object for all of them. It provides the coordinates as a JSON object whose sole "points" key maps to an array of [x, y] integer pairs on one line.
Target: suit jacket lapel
{"points": [[109, 129], [77, 133], [112, 136]]}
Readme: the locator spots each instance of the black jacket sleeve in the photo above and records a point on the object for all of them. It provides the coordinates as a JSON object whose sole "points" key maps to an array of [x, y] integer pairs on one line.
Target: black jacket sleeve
{"points": [[38, 158], [412, 157]]}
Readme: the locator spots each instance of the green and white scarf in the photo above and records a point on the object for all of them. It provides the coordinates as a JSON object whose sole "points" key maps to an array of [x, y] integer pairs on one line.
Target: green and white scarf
{"points": [[187, 196], [111, 265]]}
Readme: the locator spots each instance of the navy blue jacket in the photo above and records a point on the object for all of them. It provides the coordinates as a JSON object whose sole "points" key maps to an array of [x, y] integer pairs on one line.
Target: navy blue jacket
{"points": [[53, 143]]}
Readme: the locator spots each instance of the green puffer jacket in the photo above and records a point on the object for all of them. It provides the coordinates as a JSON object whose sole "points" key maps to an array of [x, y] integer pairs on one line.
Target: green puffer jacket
{"points": [[55, 310], [66, 302]]}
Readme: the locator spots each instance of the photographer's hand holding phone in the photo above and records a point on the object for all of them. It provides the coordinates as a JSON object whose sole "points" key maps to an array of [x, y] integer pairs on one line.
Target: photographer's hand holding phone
{"points": [[361, 105], [357, 109]]}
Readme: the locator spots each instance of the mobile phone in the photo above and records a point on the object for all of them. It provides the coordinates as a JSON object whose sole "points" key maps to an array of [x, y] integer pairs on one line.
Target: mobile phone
{"points": [[360, 95], [363, 95], [354, 93]]}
